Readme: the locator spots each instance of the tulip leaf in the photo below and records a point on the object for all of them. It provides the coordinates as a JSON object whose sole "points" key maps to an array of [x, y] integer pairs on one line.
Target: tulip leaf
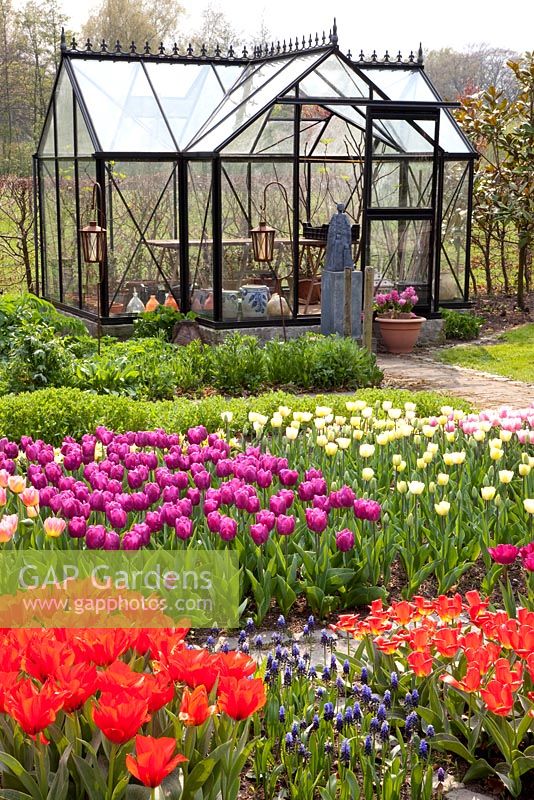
{"points": [[60, 784], [120, 787], [12, 794], [22, 774], [91, 777], [446, 741], [478, 769]]}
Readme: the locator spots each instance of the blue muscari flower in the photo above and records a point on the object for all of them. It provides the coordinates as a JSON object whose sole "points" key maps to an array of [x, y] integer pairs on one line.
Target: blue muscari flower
{"points": [[423, 748], [344, 753], [285, 654], [394, 681], [306, 631], [430, 732], [302, 750], [374, 725], [315, 722], [276, 638], [258, 642], [287, 676], [281, 621], [328, 748], [441, 775], [384, 731], [268, 676], [415, 698], [295, 650], [366, 694], [340, 686], [282, 714], [411, 721], [326, 674], [245, 647], [269, 661], [278, 652], [311, 622], [295, 731], [215, 632], [356, 710], [225, 647], [349, 716], [325, 638], [368, 746], [328, 711], [387, 698], [301, 666], [313, 673], [274, 666], [249, 627], [364, 675], [306, 657], [356, 689], [289, 741], [339, 721], [346, 667], [321, 691], [302, 724], [408, 700], [375, 699], [333, 664], [210, 642], [381, 713], [242, 636]]}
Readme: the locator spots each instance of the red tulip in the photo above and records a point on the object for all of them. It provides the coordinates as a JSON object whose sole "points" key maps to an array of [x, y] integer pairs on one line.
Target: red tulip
{"points": [[240, 698], [195, 708], [77, 682], [34, 709], [504, 553], [421, 663], [154, 760], [119, 715], [498, 697]]}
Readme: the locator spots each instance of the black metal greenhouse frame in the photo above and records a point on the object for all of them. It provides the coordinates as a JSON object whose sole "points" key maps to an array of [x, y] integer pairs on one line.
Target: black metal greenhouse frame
{"points": [[378, 107]]}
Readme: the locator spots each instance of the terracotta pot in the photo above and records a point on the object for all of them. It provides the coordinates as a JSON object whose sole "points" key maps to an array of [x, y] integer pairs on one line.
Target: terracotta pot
{"points": [[400, 334], [152, 303], [170, 302]]}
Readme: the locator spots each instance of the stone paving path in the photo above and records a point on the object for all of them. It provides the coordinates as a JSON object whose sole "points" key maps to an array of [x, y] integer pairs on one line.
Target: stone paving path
{"points": [[421, 372]]}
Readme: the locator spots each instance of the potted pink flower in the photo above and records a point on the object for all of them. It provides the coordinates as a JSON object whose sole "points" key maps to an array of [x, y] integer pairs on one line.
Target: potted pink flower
{"points": [[399, 326]]}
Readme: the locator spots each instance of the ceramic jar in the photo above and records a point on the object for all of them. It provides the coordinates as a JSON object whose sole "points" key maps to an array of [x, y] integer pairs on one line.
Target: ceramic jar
{"points": [[152, 303], [230, 303], [254, 299]]}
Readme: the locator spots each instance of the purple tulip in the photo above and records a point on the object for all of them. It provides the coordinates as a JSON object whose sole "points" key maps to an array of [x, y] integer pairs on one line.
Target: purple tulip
{"points": [[116, 515], [344, 540], [77, 527], [241, 498], [210, 505], [267, 518], [367, 509], [142, 529], [192, 496], [103, 435], [202, 480], [184, 528], [285, 525], [152, 491], [346, 497], [197, 435], [95, 537], [277, 504], [259, 533], [264, 478], [185, 506], [253, 505], [153, 520], [170, 494], [227, 494], [288, 477], [228, 529], [322, 502], [213, 521], [316, 520], [53, 472], [131, 541], [306, 491]]}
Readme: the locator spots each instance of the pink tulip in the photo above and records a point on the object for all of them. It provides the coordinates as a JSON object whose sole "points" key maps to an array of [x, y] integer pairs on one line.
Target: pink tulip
{"points": [[285, 525], [504, 553]]}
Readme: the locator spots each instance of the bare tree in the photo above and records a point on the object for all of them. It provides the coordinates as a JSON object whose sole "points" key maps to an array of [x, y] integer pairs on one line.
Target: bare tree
{"points": [[151, 21], [456, 74], [16, 242]]}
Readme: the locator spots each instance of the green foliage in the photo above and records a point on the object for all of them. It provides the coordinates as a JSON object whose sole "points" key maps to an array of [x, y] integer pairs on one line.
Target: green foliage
{"points": [[51, 414], [15, 309], [238, 363], [160, 323], [464, 326]]}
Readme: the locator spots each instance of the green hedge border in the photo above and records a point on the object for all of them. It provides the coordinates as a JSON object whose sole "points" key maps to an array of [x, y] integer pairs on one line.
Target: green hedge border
{"points": [[52, 414]]}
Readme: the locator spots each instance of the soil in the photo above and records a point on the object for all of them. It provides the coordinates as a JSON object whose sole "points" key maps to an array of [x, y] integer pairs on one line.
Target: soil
{"points": [[500, 312]]}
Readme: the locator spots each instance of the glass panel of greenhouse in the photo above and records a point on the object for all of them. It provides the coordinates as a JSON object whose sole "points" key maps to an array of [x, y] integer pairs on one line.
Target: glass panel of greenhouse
{"points": [[189, 150]]}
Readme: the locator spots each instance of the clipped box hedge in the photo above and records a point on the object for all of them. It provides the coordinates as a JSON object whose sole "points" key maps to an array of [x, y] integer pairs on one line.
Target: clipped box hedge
{"points": [[52, 414]]}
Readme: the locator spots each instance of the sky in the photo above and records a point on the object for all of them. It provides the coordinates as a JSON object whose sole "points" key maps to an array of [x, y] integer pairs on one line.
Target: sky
{"points": [[379, 24]]}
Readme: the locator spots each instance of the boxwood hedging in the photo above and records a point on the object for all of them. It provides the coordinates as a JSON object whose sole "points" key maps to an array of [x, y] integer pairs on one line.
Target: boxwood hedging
{"points": [[52, 414]]}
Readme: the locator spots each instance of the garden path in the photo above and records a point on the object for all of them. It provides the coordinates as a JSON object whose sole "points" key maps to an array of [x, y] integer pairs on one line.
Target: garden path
{"points": [[420, 372]]}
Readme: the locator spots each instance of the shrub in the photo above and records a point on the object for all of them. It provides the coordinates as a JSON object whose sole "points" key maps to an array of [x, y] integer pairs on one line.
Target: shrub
{"points": [[159, 323], [52, 414], [238, 363], [464, 326]]}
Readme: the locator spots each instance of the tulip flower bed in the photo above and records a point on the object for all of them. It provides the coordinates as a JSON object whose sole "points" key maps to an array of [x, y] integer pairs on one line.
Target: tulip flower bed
{"points": [[97, 715]]}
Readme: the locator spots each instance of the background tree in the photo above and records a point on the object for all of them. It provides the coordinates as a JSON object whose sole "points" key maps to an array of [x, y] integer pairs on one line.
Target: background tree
{"points": [[215, 29], [456, 74], [503, 131], [149, 21]]}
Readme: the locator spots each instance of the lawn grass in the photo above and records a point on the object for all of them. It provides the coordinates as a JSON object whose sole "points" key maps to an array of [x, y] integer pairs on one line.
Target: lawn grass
{"points": [[512, 357]]}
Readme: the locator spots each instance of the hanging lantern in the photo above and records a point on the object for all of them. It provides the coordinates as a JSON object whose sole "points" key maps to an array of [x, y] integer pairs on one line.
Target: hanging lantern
{"points": [[263, 242], [93, 236]]}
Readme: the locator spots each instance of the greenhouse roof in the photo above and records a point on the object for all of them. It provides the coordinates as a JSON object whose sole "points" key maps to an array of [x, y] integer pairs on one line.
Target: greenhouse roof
{"points": [[164, 103]]}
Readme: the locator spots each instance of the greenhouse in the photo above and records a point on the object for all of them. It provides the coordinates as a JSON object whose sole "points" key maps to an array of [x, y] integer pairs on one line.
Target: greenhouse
{"points": [[174, 157]]}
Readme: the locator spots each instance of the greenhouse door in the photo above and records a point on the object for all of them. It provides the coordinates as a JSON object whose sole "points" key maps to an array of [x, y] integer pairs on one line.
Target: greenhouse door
{"points": [[401, 174]]}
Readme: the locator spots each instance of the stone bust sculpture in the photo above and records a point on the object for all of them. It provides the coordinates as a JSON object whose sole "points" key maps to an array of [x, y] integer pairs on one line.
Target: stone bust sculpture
{"points": [[338, 254]]}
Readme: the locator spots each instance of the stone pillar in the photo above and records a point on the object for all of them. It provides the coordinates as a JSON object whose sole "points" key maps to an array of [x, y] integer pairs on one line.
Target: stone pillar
{"points": [[333, 302]]}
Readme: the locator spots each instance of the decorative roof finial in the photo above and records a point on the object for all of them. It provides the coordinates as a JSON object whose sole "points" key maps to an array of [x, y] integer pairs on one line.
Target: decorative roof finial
{"points": [[420, 54], [63, 42], [333, 36]]}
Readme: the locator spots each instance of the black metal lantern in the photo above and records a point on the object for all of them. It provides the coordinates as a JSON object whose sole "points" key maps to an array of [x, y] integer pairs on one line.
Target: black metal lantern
{"points": [[93, 236], [263, 242]]}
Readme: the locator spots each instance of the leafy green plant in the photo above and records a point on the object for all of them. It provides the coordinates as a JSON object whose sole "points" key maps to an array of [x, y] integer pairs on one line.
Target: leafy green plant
{"points": [[461, 325], [160, 322], [238, 363], [37, 358]]}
